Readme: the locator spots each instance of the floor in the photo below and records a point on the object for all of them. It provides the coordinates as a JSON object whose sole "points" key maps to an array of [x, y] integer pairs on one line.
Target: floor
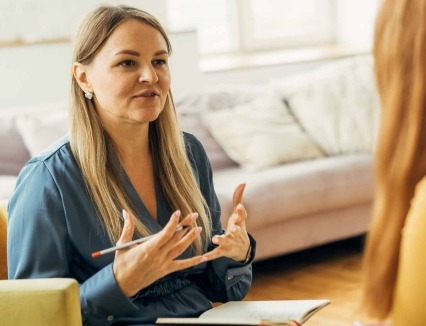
{"points": [[328, 272]]}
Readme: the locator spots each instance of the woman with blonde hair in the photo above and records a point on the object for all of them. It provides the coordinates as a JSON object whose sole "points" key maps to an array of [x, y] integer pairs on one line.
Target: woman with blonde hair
{"points": [[127, 171], [395, 261]]}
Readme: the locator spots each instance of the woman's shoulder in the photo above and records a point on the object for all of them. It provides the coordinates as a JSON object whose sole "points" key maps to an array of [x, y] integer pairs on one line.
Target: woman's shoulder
{"points": [[57, 156], [190, 139], [196, 152], [194, 147], [55, 168]]}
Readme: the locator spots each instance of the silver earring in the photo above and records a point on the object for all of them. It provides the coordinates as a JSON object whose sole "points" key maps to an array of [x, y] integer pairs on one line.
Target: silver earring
{"points": [[88, 95]]}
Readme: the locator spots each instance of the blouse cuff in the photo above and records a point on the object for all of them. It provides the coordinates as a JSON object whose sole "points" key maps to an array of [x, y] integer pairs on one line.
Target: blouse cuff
{"points": [[102, 299]]}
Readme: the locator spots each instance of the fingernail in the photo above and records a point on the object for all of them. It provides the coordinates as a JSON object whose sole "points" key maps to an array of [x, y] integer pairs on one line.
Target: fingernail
{"points": [[125, 214], [177, 213], [239, 206], [198, 229], [194, 216]]}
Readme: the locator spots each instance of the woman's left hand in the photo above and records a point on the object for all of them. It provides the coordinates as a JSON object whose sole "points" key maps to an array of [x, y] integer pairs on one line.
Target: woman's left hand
{"points": [[235, 243]]}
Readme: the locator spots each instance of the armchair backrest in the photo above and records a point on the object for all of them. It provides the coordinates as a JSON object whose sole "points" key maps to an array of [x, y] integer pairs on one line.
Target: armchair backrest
{"points": [[3, 246], [40, 302]]}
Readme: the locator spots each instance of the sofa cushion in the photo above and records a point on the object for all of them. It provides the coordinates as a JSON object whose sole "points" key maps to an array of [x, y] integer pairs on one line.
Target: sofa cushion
{"points": [[42, 126], [13, 153], [260, 134], [338, 104], [219, 97], [191, 105], [22, 133], [218, 158], [297, 189]]}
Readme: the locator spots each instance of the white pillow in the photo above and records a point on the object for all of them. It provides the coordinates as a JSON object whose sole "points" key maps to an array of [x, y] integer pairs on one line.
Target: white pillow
{"points": [[337, 105], [260, 134], [43, 126], [218, 97]]}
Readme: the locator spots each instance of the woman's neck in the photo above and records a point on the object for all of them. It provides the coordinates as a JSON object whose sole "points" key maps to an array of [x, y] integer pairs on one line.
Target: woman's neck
{"points": [[132, 142]]}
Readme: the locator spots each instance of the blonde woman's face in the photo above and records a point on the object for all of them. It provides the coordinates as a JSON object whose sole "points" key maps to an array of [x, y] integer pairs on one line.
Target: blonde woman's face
{"points": [[130, 75]]}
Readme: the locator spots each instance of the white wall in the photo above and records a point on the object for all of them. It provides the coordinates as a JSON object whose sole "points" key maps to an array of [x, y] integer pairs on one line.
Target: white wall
{"points": [[34, 74], [38, 74], [356, 19]]}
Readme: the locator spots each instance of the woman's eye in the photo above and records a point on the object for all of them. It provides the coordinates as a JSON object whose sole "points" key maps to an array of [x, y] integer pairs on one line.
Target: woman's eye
{"points": [[159, 62], [128, 63]]}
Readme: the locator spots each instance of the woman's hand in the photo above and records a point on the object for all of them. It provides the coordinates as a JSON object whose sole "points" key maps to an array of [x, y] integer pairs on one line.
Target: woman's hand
{"points": [[235, 243], [139, 266]]}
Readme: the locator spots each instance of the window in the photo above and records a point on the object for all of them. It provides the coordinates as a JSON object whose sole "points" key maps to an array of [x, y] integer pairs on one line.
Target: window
{"points": [[229, 26], [210, 18], [285, 23]]}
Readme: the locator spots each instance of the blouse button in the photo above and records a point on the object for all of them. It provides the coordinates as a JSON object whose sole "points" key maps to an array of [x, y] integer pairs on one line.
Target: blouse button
{"points": [[230, 277], [110, 318]]}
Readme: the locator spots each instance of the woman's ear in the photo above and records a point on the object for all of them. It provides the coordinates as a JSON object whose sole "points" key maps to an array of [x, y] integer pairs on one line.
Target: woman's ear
{"points": [[80, 74]]}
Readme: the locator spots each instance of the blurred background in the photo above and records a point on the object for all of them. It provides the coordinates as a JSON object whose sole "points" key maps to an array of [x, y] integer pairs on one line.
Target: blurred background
{"points": [[215, 41]]}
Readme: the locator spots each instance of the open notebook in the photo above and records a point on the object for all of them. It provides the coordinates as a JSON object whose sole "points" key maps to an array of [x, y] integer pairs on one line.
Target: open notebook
{"points": [[273, 312]]}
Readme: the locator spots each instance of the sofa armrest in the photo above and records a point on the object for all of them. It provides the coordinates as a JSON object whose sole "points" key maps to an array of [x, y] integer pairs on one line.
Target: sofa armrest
{"points": [[53, 301]]}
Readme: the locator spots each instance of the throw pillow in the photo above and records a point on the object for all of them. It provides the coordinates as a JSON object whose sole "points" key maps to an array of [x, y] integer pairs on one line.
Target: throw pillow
{"points": [[337, 105], [192, 105], [218, 158], [218, 97], [41, 127], [260, 134], [13, 153]]}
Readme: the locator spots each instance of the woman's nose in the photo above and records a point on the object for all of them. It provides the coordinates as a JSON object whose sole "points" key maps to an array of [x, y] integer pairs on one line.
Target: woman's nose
{"points": [[148, 74]]}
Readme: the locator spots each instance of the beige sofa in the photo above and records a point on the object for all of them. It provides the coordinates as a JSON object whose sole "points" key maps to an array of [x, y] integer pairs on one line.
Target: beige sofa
{"points": [[302, 144], [298, 195]]}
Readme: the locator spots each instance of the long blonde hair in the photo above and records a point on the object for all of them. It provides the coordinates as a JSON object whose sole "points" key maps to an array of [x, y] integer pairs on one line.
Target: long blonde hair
{"points": [[400, 160], [95, 153]]}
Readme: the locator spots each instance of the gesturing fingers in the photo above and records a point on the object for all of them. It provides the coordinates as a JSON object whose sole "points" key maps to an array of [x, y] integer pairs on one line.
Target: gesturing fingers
{"points": [[178, 248], [241, 215], [238, 195], [168, 232], [128, 228], [181, 264]]}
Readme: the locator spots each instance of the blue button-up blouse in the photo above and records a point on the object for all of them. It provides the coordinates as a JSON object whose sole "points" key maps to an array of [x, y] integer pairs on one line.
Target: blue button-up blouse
{"points": [[53, 228]]}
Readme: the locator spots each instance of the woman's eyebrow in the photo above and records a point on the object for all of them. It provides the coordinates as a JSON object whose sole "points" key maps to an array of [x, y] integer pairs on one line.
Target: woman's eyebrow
{"points": [[137, 54], [131, 52]]}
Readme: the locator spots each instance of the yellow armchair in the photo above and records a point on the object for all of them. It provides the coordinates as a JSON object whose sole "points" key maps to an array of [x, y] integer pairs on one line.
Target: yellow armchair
{"points": [[36, 302], [3, 241]]}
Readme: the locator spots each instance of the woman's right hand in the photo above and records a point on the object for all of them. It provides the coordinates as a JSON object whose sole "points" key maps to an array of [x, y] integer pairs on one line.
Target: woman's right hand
{"points": [[141, 265]]}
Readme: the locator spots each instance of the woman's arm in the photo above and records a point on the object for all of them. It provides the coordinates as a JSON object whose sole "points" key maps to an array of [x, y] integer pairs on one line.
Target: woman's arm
{"points": [[40, 244], [224, 279]]}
